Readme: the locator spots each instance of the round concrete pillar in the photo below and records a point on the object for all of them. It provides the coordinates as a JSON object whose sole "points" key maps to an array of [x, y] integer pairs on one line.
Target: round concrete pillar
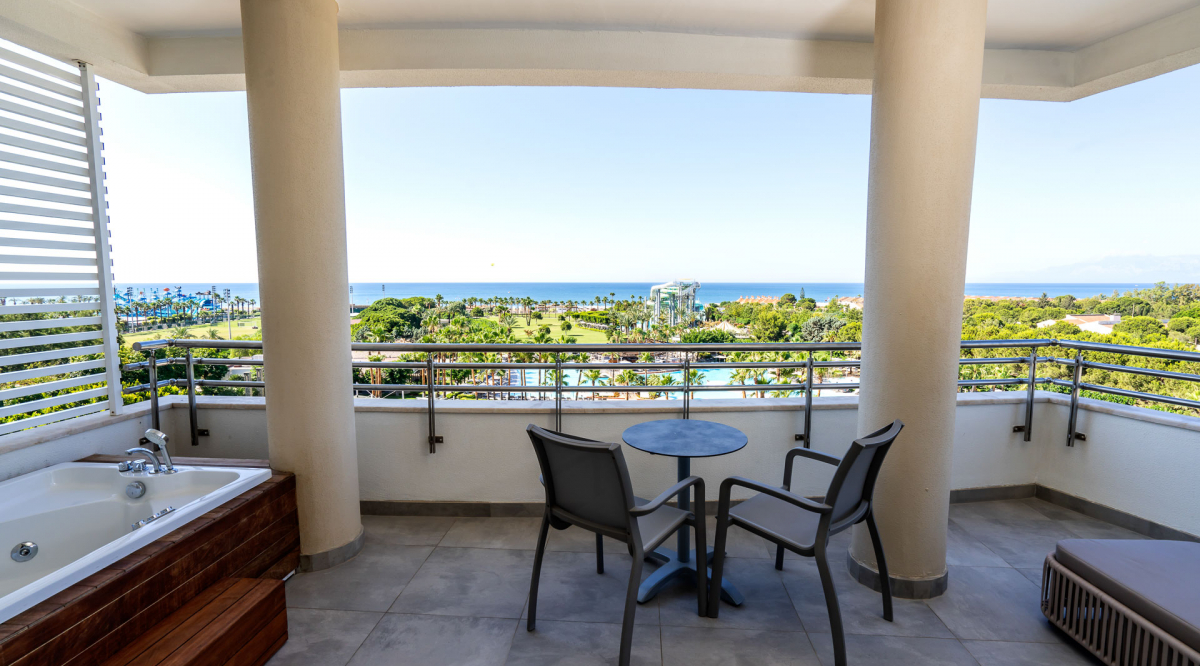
{"points": [[293, 97], [924, 116]]}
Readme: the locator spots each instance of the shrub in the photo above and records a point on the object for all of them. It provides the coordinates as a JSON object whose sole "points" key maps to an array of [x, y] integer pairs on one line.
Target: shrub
{"points": [[707, 336]]}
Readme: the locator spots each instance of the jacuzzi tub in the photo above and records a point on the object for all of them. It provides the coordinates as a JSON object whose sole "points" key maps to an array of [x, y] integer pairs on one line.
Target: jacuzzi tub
{"points": [[81, 519]]}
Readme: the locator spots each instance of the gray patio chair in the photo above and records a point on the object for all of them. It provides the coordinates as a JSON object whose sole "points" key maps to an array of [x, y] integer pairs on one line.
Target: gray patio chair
{"points": [[804, 526], [587, 485]]}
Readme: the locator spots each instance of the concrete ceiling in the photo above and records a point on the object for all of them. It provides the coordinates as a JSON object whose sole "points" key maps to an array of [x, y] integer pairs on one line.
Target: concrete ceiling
{"points": [[1037, 49]]}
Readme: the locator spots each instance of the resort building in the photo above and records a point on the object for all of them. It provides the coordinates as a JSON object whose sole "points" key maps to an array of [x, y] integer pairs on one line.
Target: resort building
{"points": [[1102, 324], [1026, 526]]}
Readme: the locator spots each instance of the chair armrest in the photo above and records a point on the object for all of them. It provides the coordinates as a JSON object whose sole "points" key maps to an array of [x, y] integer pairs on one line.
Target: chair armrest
{"points": [[777, 493], [667, 494], [807, 453]]}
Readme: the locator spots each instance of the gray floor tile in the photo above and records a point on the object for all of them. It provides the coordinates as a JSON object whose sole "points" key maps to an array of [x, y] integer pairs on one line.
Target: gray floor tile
{"points": [[479, 582], [1021, 543], [572, 591], [1034, 575], [767, 606], [405, 640], [1001, 653], [1051, 511], [894, 651], [861, 607], [406, 530], [369, 582], [716, 645], [739, 542], [994, 604], [513, 533], [982, 513], [581, 644], [962, 549], [839, 545], [323, 637], [579, 540], [1090, 528]]}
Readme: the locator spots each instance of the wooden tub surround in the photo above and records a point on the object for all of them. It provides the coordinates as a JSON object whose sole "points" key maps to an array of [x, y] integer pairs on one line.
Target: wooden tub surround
{"points": [[254, 535]]}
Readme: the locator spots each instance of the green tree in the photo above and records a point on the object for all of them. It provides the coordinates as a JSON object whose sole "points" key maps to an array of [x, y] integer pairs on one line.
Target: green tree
{"points": [[787, 299], [819, 328], [769, 326], [1140, 328]]}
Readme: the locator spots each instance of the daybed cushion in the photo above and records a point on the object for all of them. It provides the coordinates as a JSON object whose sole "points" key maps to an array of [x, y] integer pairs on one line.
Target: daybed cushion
{"points": [[1159, 580]]}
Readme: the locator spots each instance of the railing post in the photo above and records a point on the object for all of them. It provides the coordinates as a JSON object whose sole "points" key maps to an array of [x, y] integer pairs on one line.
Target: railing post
{"points": [[687, 383], [1033, 358], [191, 394], [1076, 378], [558, 392], [432, 429], [808, 389], [152, 367]]}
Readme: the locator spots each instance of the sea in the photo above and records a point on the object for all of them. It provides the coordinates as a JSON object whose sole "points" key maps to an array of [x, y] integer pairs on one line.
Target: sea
{"points": [[364, 293]]}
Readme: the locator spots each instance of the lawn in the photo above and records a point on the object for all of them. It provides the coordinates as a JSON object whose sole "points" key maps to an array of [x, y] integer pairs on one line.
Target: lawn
{"points": [[200, 331], [581, 334]]}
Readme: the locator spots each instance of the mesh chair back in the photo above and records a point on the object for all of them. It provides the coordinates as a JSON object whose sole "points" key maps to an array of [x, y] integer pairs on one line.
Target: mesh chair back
{"points": [[854, 482], [585, 478]]}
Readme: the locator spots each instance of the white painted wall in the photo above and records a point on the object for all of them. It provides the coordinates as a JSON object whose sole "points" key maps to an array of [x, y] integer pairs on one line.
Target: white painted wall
{"points": [[1135, 460]]}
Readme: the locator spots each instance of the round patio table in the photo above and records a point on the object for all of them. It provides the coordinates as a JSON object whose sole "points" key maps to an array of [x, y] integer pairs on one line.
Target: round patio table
{"points": [[684, 439]]}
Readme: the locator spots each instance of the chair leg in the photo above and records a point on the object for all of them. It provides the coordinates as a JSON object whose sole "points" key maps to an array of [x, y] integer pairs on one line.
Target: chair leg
{"points": [[537, 571], [831, 603], [701, 554], [885, 582], [635, 581], [599, 554], [779, 557], [718, 564]]}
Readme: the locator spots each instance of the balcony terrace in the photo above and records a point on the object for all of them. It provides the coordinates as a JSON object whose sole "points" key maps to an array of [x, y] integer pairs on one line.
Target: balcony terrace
{"points": [[408, 523]]}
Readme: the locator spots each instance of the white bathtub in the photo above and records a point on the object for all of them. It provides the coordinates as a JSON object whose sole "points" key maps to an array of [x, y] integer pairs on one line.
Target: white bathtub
{"points": [[79, 516]]}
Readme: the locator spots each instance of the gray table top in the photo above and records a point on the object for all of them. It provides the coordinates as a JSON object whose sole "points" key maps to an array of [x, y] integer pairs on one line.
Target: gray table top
{"points": [[684, 438]]}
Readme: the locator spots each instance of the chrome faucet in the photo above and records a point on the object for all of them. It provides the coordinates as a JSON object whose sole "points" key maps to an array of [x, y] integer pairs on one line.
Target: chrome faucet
{"points": [[159, 439], [156, 467]]}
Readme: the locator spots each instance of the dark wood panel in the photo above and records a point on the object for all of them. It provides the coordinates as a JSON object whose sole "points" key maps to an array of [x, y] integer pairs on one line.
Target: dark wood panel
{"points": [[92, 620]]}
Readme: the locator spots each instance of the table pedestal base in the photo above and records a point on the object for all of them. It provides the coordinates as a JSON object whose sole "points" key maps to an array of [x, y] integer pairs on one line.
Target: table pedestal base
{"points": [[671, 568]]}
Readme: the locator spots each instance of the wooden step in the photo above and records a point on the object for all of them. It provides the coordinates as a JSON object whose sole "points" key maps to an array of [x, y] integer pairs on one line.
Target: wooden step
{"points": [[238, 621]]}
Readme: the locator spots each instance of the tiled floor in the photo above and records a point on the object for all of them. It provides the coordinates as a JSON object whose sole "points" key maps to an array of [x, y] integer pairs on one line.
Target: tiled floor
{"points": [[434, 591]]}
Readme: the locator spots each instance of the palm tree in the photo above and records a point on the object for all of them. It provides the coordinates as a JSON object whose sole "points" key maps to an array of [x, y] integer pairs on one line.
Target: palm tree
{"points": [[214, 333], [595, 377], [667, 380], [180, 333], [626, 378], [696, 378]]}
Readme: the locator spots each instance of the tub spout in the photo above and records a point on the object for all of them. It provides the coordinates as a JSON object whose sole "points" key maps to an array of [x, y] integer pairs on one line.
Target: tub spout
{"points": [[156, 466]]}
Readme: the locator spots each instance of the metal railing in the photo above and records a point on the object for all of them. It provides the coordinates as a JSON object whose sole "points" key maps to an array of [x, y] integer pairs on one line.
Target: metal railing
{"points": [[680, 358]]}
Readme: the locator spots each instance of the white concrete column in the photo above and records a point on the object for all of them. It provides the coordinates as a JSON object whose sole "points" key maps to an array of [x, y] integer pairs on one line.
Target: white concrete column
{"points": [[924, 116], [293, 96]]}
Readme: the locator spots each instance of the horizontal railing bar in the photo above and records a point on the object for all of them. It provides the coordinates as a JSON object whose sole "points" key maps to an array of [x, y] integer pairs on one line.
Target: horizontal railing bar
{"points": [[161, 383], [1005, 344], [41, 195], [34, 276], [746, 364], [39, 98], [992, 361], [37, 324], [52, 133], [44, 148], [1066, 383], [993, 382], [40, 211], [226, 384], [46, 371], [607, 348], [161, 362], [41, 228], [1151, 352], [51, 85], [43, 179], [38, 340], [39, 66], [40, 260], [44, 403], [50, 387], [41, 114], [1148, 372], [1137, 395], [39, 308], [40, 163], [52, 355], [47, 244], [82, 410]]}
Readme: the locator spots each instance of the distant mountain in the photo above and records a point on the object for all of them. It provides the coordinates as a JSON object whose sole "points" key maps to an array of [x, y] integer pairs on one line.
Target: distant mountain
{"points": [[1131, 268]]}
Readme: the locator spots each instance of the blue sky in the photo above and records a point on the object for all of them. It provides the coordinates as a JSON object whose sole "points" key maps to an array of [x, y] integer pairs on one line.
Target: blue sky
{"points": [[602, 184]]}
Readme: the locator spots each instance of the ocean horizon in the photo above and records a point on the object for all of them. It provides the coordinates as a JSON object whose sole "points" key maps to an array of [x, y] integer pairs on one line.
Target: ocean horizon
{"points": [[363, 293]]}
